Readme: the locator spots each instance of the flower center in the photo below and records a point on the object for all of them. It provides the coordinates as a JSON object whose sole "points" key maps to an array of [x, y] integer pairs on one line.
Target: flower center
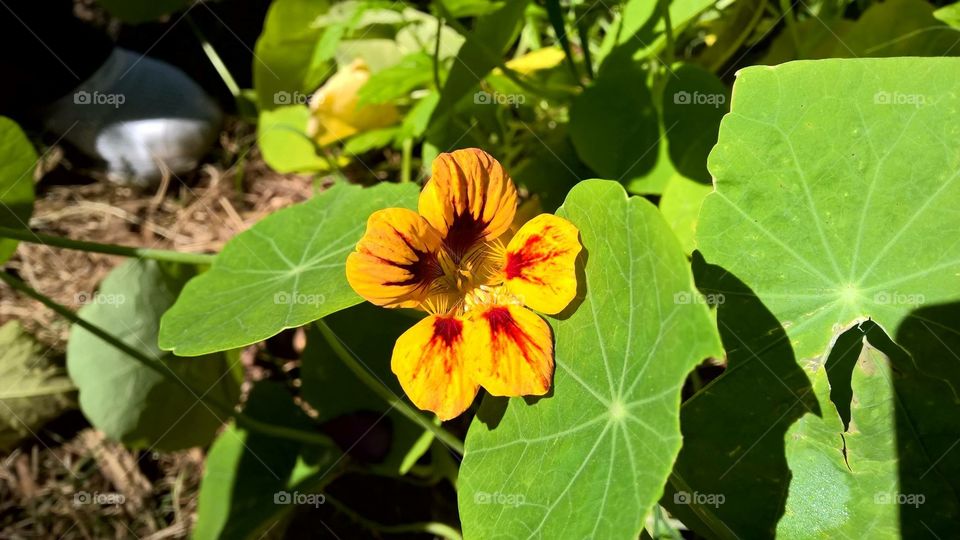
{"points": [[462, 276]]}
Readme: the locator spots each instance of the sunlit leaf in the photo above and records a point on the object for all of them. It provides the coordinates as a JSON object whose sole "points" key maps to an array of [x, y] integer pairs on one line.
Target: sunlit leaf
{"points": [[285, 271], [607, 434]]}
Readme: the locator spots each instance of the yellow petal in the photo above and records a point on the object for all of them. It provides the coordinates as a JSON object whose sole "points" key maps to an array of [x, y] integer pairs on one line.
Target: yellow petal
{"points": [[540, 263], [334, 113], [395, 262], [470, 198], [545, 58], [428, 359], [511, 350]]}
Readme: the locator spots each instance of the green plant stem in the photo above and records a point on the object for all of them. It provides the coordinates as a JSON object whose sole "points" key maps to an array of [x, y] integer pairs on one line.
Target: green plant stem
{"points": [[786, 6], [26, 235], [215, 59], [668, 31], [431, 527], [705, 513], [353, 363], [156, 365], [551, 93]]}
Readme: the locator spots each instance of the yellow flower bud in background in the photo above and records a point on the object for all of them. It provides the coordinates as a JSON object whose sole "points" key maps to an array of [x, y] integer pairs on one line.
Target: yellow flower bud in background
{"points": [[334, 110]]}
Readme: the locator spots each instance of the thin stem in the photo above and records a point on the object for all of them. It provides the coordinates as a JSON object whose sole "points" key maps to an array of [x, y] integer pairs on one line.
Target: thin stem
{"points": [[430, 527], [27, 235], [668, 31], [354, 364], [551, 93], [158, 366], [786, 6], [215, 59], [406, 159]]}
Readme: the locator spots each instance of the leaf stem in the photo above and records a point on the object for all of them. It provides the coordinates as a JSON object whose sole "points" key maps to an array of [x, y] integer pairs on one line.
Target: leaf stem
{"points": [[27, 235], [215, 59], [158, 366], [668, 31], [379, 388], [434, 528], [406, 158]]}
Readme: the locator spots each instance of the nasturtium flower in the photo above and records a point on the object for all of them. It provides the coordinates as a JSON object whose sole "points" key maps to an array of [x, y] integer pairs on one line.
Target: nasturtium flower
{"points": [[453, 259], [335, 112]]}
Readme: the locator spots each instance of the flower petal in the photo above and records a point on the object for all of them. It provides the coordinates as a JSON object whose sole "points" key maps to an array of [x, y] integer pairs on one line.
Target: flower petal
{"points": [[511, 350], [540, 263], [395, 262], [428, 359], [335, 113], [469, 198]]}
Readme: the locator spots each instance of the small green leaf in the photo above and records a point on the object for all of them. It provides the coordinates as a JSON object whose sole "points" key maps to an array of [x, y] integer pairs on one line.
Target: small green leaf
{"points": [[285, 271], [33, 390], [123, 398], [396, 82], [282, 136], [284, 55], [619, 142], [252, 481], [694, 101], [607, 434], [17, 161]]}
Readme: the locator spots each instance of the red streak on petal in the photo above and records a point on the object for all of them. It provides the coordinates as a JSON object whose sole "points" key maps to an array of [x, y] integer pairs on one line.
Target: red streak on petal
{"points": [[502, 323], [528, 255], [449, 330]]}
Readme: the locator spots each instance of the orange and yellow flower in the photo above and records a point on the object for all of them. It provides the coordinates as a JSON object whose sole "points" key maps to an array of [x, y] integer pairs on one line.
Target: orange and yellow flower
{"points": [[452, 259]]}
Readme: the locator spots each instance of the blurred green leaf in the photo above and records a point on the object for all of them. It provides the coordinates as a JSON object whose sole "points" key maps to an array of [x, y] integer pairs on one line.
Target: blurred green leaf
{"points": [[694, 101], [285, 271], [126, 400], [608, 432], [396, 82], [33, 390], [17, 162], [282, 136], [286, 52], [371, 140], [252, 481], [481, 52], [949, 14], [618, 142]]}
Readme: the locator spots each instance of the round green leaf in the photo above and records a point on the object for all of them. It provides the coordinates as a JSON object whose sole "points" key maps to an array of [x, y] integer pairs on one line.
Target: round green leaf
{"points": [[831, 201], [608, 433], [17, 161], [285, 271], [123, 398]]}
